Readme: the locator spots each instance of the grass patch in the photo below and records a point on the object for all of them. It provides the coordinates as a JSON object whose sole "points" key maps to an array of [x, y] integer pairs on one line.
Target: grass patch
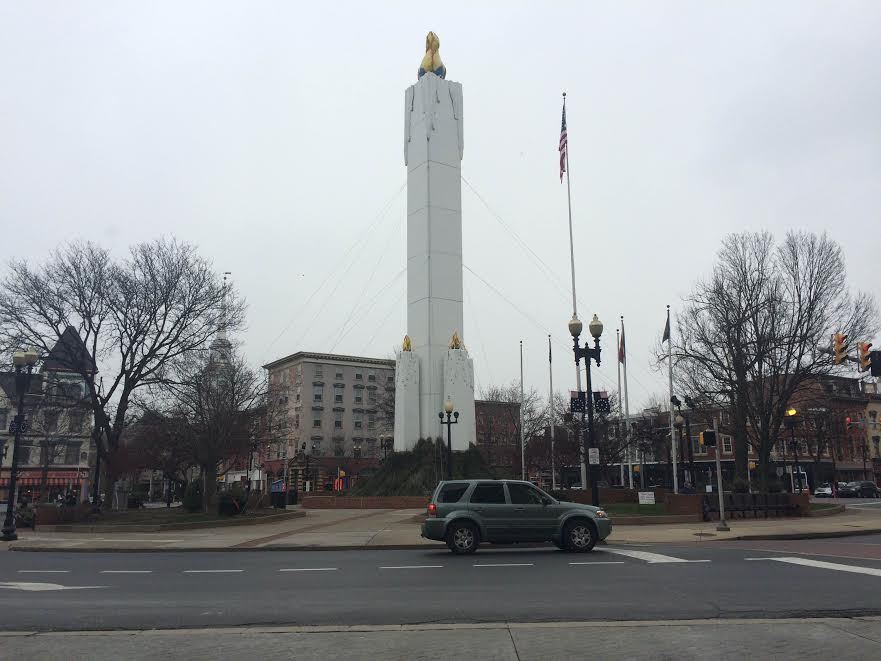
{"points": [[635, 509], [815, 507]]}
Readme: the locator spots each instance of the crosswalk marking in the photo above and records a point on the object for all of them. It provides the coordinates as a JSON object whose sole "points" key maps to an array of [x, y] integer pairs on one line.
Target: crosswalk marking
{"points": [[415, 567], [507, 564], [602, 562], [651, 558], [126, 571], [212, 571], [310, 569], [853, 569]]}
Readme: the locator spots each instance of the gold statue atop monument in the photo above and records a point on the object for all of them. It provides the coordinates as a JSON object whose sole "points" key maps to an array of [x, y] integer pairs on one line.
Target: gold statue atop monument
{"points": [[432, 60], [455, 342], [406, 346]]}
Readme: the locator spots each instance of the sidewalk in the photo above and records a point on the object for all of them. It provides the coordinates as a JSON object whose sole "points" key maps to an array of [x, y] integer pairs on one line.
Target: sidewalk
{"points": [[336, 529]]}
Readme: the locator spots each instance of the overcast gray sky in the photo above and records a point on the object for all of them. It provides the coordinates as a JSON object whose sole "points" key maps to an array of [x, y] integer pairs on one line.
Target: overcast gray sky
{"points": [[271, 135]]}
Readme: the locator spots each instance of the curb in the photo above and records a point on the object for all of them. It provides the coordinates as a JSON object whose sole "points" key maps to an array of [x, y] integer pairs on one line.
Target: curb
{"points": [[805, 535], [166, 527]]}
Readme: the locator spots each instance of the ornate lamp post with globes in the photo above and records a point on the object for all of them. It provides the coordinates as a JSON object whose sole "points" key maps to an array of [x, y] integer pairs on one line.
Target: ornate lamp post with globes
{"points": [[451, 414], [596, 330], [24, 362]]}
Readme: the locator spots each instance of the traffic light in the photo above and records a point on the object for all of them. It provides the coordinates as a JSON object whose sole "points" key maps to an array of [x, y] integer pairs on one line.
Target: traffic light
{"points": [[708, 438], [839, 347], [865, 356], [875, 363]]}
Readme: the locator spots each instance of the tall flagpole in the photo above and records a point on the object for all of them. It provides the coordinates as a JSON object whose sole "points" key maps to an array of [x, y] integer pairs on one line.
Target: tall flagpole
{"points": [[623, 351], [674, 449], [574, 304], [551, 415], [618, 344], [522, 437]]}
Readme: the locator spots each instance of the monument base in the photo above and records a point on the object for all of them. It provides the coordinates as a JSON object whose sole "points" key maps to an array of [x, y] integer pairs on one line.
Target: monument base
{"points": [[406, 401]]}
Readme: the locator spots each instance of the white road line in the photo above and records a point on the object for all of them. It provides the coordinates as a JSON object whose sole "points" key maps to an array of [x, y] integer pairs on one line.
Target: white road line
{"points": [[604, 562], [508, 564], [415, 567], [43, 571], [311, 569], [212, 571], [805, 562], [651, 558], [126, 571]]}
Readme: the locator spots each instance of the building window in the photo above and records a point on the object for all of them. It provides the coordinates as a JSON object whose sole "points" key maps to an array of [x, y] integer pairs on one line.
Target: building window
{"points": [[298, 394], [371, 422], [390, 378], [50, 421], [356, 451], [297, 421], [75, 422], [338, 393], [339, 374], [316, 421], [359, 376], [726, 445], [319, 370], [359, 396], [338, 450], [72, 453], [371, 396], [337, 419], [317, 393], [371, 375], [696, 445], [359, 420]]}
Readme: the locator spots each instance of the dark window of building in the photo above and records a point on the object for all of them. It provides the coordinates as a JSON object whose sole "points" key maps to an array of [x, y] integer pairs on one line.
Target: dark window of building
{"points": [[319, 370], [339, 375], [50, 421], [72, 453], [359, 397], [338, 394], [337, 419], [359, 420], [359, 376], [488, 493], [75, 422], [371, 375], [390, 378], [453, 492], [316, 421], [338, 450]]}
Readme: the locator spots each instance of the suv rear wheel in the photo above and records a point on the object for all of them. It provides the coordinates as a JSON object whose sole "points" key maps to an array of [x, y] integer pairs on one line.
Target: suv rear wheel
{"points": [[579, 536], [462, 537]]}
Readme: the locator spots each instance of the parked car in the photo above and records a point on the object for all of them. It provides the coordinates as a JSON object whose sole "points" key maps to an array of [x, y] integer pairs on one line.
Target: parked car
{"points": [[465, 513], [860, 489], [824, 491]]}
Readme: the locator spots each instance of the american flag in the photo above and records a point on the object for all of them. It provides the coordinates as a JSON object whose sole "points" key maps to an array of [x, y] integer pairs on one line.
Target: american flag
{"points": [[564, 143]]}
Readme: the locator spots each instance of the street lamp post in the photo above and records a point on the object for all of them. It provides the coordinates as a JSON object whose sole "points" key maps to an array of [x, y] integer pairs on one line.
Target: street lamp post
{"points": [[24, 362], [679, 423], [596, 330], [452, 419]]}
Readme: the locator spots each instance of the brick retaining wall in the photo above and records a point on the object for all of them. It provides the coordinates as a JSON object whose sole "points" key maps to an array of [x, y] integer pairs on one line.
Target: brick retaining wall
{"points": [[364, 502]]}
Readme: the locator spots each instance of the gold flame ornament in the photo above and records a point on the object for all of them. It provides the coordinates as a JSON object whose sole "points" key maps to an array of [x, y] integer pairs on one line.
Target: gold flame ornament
{"points": [[407, 346], [455, 342], [432, 60]]}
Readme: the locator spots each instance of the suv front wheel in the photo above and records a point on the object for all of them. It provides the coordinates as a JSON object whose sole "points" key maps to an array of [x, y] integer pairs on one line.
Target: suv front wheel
{"points": [[579, 536], [462, 537]]}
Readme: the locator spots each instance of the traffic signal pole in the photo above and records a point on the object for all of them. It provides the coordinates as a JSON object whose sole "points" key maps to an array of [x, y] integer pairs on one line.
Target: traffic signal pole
{"points": [[723, 526]]}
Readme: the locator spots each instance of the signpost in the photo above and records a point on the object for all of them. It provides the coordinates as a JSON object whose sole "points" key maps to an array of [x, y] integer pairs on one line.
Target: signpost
{"points": [[593, 456], [722, 525], [646, 497]]}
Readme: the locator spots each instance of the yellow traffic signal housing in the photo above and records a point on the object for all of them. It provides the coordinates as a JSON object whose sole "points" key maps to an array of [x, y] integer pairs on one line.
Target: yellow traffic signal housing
{"points": [[839, 348], [865, 356], [708, 438]]}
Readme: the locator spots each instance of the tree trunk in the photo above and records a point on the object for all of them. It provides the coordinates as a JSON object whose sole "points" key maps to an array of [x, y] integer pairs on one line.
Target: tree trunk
{"points": [[209, 485]]}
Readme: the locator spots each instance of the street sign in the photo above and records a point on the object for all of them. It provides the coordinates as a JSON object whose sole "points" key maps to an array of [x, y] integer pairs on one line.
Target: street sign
{"points": [[593, 456], [577, 402], [646, 497]]}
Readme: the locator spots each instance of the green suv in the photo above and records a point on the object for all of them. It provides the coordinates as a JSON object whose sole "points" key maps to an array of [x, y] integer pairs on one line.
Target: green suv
{"points": [[464, 513]]}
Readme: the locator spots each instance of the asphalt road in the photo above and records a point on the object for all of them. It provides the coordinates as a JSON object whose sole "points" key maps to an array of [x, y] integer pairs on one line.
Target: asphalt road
{"points": [[89, 591]]}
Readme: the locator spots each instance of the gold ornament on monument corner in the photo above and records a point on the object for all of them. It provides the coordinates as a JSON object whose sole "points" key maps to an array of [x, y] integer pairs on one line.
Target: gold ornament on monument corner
{"points": [[432, 60], [455, 342], [407, 346]]}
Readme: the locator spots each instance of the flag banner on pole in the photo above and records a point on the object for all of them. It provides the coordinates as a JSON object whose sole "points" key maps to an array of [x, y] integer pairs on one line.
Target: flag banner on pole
{"points": [[666, 328], [622, 354], [564, 143], [549, 350]]}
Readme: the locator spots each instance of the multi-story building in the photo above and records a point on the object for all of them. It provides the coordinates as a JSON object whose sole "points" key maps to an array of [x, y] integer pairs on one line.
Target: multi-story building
{"points": [[333, 405], [54, 452]]}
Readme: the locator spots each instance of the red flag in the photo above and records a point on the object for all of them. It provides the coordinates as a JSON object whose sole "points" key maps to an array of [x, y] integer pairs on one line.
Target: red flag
{"points": [[564, 143]]}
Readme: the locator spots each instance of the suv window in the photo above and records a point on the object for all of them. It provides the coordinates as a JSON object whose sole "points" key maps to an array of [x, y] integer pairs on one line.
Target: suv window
{"points": [[522, 494], [452, 493], [488, 493]]}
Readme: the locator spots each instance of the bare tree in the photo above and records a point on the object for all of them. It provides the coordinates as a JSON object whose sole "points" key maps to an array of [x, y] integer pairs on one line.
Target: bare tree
{"points": [[134, 316], [758, 329], [533, 405], [221, 401]]}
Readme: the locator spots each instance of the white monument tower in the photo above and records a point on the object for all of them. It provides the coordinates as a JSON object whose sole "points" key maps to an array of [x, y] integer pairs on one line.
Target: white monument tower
{"points": [[433, 365]]}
